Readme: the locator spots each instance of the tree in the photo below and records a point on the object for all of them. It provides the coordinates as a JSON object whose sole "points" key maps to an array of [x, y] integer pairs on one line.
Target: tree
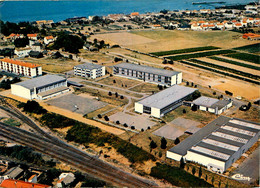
{"points": [[142, 130], [194, 107], [117, 122], [133, 127], [214, 92], [21, 42], [125, 125], [249, 105], [121, 97], [200, 172], [219, 183], [184, 111], [153, 145], [106, 118], [163, 143], [212, 180], [110, 93], [182, 163], [193, 171], [206, 177], [114, 81], [116, 94], [70, 43], [99, 116], [176, 141]]}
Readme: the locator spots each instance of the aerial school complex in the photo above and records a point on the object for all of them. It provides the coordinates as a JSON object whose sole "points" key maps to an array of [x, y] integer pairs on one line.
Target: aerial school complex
{"points": [[219, 144]]}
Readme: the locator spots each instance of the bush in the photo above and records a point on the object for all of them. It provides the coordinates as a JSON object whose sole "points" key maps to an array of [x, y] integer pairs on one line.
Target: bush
{"points": [[176, 141], [110, 93], [125, 125], [133, 127], [153, 145], [99, 116], [33, 107], [176, 176], [121, 97], [106, 118], [229, 93], [117, 122], [163, 143]]}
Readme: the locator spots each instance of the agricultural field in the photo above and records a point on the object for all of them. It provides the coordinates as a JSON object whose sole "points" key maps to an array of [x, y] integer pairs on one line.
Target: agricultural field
{"points": [[186, 50], [53, 65], [254, 48], [235, 63], [174, 40], [246, 57], [200, 54], [254, 71]]}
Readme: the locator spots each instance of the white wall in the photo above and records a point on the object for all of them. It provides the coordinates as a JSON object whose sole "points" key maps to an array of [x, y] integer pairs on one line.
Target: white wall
{"points": [[139, 107], [173, 156], [21, 91], [155, 112]]}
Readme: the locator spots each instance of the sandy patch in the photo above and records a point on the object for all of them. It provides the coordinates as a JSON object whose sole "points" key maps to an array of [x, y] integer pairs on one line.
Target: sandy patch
{"points": [[247, 91], [124, 38]]}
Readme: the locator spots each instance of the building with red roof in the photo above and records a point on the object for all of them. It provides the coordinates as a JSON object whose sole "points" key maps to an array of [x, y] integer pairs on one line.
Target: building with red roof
{"points": [[33, 36], [11, 183], [20, 67]]}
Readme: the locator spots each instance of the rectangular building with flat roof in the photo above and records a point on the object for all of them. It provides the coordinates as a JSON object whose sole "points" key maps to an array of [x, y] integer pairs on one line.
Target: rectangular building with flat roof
{"points": [[20, 67], [219, 144], [89, 70], [40, 88], [148, 74], [164, 101]]}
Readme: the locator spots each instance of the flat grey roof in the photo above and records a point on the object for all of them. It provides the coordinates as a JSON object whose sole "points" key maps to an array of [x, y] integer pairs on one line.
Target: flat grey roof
{"points": [[147, 69], [192, 140], [221, 104], [205, 101], [167, 96], [89, 66], [41, 81]]}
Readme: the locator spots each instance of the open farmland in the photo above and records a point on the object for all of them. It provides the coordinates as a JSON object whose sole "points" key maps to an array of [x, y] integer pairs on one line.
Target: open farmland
{"points": [[229, 65], [187, 50], [173, 40], [236, 63], [254, 48], [201, 54], [246, 57]]}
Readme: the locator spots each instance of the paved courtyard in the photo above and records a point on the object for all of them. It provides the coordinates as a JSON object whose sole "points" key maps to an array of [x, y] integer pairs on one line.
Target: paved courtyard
{"points": [[176, 128], [77, 104], [140, 122]]}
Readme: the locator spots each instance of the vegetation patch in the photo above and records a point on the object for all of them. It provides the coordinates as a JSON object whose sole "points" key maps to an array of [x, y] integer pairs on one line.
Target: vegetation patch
{"points": [[177, 176], [235, 63], [246, 57], [253, 48], [201, 54], [186, 50], [12, 122]]}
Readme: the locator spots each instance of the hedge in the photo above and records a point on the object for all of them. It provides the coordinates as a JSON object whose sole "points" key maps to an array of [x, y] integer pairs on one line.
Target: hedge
{"points": [[186, 50], [246, 57]]}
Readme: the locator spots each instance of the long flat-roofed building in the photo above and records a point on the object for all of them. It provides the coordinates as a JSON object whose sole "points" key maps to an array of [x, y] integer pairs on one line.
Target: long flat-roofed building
{"points": [[212, 105], [40, 88], [89, 70], [164, 101], [20, 67], [219, 144], [148, 74]]}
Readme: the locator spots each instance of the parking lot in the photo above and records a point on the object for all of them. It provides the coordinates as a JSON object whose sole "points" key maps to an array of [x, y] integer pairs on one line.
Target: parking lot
{"points": [[77, 104], [176, 128], [140, 122]]}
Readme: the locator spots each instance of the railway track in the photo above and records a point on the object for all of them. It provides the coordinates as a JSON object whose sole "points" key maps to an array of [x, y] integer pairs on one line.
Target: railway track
{"points": [[58, 149]]}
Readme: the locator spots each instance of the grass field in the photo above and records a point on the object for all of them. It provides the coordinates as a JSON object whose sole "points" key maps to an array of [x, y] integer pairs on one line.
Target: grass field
{"points": [[253, 48], [186, 50], [145, 88], [119, 82], [246, 57], [53, 65], [173, 40]]}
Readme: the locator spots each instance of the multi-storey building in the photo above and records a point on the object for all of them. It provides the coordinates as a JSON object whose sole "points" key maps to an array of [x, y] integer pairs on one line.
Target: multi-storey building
{"points": [[89, 70], [20, 67], [148, 74]]}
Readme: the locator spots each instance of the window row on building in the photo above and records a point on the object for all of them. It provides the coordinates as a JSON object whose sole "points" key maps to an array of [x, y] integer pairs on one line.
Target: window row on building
{"points": [[89, 70]]}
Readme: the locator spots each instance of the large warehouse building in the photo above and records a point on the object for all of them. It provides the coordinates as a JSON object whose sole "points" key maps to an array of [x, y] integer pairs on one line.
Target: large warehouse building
{"points": [[89, 70], [148, 74], [20, 67], [219, 144], [164, 101], [40, 88]]}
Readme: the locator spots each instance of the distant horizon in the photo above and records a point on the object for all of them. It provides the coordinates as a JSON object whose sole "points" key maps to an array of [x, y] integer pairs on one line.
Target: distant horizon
{"points": [[56, 10]]}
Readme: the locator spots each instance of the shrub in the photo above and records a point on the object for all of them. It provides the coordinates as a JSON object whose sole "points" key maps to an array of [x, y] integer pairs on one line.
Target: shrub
{"points": [[117, 122], [121, 97], [109, 93], [33, 107], [176, 141], [163, 143], [99, 116], [133, 127], [106, 118], [125, 125], [153, 145]]}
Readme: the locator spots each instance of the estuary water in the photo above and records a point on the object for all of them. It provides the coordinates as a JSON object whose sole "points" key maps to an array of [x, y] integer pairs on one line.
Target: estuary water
{"points": [[16, 11]]}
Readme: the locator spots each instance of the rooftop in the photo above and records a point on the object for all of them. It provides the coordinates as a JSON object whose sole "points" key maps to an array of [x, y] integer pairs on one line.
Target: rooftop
{"points": [[13, 172], [167, 96], [205, 101], [21, 63], [89, 66], [147, 69], [21, 184], [41, 81]]}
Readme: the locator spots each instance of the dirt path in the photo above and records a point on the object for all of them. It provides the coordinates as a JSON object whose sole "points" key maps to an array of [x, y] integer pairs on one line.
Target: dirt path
{"points": [[236, 67]]}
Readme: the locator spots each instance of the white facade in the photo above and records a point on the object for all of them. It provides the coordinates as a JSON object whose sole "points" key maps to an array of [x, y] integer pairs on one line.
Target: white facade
{"points": [[20, 68], [22, 52], [89, 70], [48, 40], [40, 88]]}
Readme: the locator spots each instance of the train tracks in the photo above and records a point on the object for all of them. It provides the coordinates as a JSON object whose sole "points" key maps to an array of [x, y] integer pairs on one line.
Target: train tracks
{"points": [[49, 145]]}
